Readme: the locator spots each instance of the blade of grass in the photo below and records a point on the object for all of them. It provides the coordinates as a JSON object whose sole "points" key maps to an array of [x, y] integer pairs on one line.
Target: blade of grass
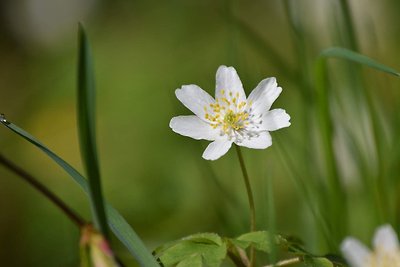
{"points": [[343, 53], [118, 224], [87, 131]]}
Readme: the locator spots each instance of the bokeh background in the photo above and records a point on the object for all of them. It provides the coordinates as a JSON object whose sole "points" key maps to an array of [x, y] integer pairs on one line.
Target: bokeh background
{"points": [[143, 51]]}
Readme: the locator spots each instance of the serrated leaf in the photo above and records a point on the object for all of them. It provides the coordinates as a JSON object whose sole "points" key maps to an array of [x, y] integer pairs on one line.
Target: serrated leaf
{"points": [[118, 224], [207, 238], [344, 53], [207, 246]]}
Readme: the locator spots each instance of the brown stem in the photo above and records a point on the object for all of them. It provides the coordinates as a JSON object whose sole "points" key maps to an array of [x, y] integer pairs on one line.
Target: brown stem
{"points": [[44, 190]]}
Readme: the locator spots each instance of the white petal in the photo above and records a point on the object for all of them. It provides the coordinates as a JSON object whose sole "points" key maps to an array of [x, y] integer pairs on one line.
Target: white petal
{"points": [[195, 99], [228, 80], [275, 119], [355, 252], [262, 97], [193, 127], [262, 141], [385, 239], [217, 149]]}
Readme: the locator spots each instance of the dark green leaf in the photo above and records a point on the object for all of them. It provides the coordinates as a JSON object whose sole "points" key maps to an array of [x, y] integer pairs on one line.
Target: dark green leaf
{"points": [[87, 132], [117, 223]]}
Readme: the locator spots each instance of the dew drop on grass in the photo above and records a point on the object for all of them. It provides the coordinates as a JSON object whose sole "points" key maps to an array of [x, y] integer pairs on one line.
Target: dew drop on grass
{"points": [[3, 119]]}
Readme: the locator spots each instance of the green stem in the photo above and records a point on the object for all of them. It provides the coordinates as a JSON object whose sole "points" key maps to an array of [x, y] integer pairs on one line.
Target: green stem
{"points": [[250, 197], [75, 218]]}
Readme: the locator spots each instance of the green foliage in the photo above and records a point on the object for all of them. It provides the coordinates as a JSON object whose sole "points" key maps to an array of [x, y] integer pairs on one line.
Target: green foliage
{"points": [[317, 262], [194, 250], [260, 240], [209, 249], [87, 130], [117, 223], [322, 262]]}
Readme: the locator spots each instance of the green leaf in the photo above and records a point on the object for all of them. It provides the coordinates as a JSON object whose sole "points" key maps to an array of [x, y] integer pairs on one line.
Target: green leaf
{"points": [[206, 247], [117, 223], [260, 240], [193, 261], [344, 53], [317, 262], [87, 131]]}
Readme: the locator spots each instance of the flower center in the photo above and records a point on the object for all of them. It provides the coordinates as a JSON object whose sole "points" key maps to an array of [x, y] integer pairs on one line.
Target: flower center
{"points": [[228, 113], [235, 121]]}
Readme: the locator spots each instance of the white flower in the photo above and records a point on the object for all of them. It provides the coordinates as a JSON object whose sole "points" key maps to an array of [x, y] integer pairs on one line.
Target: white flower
{"points": [[230, 117], [386, 250]]}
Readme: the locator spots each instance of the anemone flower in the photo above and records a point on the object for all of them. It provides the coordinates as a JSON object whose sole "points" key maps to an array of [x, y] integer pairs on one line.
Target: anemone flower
{"points": [[230, 117]]}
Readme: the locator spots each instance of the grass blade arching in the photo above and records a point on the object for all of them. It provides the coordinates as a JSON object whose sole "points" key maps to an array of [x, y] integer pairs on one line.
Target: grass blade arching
{"points": [[116, 222]]}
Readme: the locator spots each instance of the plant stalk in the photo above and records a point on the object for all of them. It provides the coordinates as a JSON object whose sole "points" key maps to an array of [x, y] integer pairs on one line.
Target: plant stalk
{"points": [[73, 216], [251, 200]]}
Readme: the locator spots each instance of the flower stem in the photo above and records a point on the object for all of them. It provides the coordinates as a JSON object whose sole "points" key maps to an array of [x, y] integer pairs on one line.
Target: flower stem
{"points": [[251, 199], [75, 218]]}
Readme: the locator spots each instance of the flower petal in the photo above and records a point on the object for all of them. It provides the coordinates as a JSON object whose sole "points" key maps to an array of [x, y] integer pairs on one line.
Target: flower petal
{"points": [[275, 119], [263, 140], [385, 239], [355, 252], [217, 149], [193, 127], [195, 99], [227, 80], [262, 97]]}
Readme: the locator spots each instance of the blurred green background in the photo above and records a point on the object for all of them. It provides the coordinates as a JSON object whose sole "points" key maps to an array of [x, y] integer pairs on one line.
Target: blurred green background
{"points": [[143, 51]]}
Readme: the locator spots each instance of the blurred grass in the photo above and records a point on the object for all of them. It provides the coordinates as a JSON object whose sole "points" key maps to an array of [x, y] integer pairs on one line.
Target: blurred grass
{"points": [[143, 51]]}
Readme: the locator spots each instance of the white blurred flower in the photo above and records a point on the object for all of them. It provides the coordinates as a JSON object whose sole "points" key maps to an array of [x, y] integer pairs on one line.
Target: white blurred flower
{"points": [[230, 117], [386, 250]]}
